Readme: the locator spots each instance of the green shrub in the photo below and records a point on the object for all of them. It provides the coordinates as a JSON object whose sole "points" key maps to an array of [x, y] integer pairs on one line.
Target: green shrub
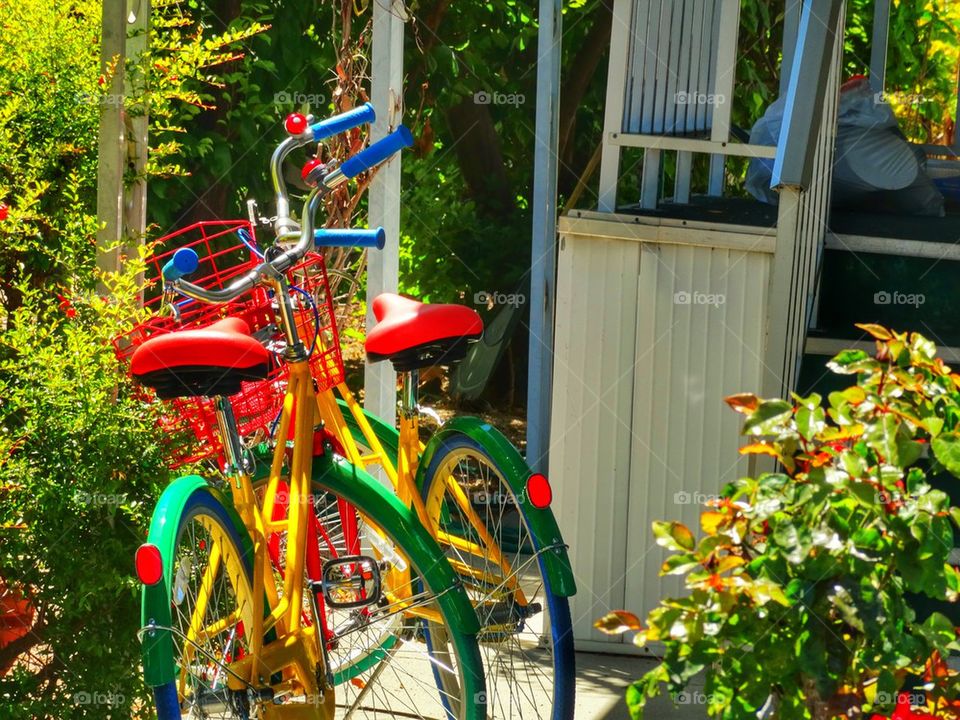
{"points": [[49, 58], [804, 583], [81, 466]]}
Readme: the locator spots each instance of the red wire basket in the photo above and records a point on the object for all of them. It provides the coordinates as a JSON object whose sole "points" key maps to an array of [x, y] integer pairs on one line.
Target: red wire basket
{"points": [[224, 257]]}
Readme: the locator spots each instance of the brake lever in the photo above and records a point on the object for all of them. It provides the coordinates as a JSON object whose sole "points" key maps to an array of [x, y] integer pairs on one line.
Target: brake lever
{"points": [[168, 304]]}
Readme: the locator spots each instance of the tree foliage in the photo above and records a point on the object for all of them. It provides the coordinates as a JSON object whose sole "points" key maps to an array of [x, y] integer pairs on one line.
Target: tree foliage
{"points": [[49, 56], [81, 465]]}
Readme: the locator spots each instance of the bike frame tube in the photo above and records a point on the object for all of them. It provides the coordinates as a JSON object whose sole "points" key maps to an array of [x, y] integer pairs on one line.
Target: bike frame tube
{"points": [[296, 646], [543, 525]]}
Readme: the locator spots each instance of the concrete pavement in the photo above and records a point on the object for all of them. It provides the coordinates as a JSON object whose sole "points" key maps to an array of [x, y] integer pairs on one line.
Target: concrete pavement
{"points": [[602, 679]]}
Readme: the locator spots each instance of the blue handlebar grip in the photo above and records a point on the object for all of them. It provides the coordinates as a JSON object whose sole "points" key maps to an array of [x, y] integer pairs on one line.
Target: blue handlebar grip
{"points": [[344, 121], [378, 152], [183, 262], [372, 238]]}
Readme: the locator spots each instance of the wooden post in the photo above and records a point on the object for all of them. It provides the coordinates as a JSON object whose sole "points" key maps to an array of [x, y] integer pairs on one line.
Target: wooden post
{"points": [[111, 152], [136, 128], [122, 212]]}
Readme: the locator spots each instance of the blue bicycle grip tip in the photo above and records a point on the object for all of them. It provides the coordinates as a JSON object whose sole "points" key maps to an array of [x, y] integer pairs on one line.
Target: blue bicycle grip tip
{"points": [[372, 238], [378, 152], [344, 121], [183, 262]]}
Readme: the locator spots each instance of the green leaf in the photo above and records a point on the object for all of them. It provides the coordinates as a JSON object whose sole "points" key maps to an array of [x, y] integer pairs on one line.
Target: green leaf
{"points": [[883, 438], [809, 422], [767, 416], [679, 564], [793, 539], [673, 536], [946, 448], [877, 331], [846, 361], [939, 630]]}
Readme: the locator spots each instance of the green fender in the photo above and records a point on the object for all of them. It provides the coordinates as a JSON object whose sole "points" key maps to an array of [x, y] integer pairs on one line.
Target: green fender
{"points": [[366, 492], [542, 522], [157, 645], [543, 525]]}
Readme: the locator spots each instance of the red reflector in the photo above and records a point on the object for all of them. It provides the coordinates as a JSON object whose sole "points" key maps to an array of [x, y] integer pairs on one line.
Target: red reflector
{"points": [[539, 491], [149, 564]]}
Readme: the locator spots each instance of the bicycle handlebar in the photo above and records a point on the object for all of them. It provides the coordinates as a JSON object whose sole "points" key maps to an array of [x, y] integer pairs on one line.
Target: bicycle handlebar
{"points": [[342, 122], [372, 238], [364, 160], [184, 262], [378, 152]]}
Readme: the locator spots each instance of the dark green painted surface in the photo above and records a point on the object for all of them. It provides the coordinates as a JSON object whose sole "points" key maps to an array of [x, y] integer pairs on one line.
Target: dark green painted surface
{"points": [[905, 293]]}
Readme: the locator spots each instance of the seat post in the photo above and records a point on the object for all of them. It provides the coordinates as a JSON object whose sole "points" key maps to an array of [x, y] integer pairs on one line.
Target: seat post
{"points": [[409, 402], [236, 462]]}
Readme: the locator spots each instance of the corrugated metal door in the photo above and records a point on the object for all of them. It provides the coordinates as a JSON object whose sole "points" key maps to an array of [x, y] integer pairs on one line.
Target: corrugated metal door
{"points": [[592, 403], [649, 339], [699, 339]]}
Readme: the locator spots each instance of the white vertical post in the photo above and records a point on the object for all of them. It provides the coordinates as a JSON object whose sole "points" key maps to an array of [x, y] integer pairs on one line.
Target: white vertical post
{"points": [[650, 178], [726, 69], [543, 260], [613, 112], [681, 183], [725, 64], [383, 266]]}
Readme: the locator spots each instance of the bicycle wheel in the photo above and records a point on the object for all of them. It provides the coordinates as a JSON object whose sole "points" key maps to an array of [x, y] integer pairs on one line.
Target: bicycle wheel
{"points": [[526, 637], [378, 655], [206, 602]]}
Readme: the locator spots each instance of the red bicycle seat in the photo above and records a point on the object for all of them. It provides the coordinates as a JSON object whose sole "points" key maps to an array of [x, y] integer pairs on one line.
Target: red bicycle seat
{"points": [[415, 335], [208, 361]]}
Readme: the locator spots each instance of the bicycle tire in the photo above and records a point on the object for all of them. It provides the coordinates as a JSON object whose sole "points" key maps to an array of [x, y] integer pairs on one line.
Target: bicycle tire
{"points": [[557, 602], [515, 641]]}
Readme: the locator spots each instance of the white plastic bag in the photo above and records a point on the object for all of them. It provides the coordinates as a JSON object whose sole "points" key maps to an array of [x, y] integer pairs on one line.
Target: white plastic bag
{"points": [[872, 157]]}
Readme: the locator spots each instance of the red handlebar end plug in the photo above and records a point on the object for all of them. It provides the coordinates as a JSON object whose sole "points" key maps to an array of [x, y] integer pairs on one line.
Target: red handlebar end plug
{"points": [[295, 124], [312, 171]]}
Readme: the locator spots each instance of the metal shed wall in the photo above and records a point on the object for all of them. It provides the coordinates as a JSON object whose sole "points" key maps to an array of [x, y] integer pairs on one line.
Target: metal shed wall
{"points": [[639, 350]]}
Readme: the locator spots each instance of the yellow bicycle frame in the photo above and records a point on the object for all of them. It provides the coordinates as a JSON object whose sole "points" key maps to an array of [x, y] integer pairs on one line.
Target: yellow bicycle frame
{"points": [[403, 478], [295, 652]]}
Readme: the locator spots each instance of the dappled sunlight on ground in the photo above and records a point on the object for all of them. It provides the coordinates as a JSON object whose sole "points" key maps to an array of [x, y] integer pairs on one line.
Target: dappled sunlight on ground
{"points": [[602, 680]]}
